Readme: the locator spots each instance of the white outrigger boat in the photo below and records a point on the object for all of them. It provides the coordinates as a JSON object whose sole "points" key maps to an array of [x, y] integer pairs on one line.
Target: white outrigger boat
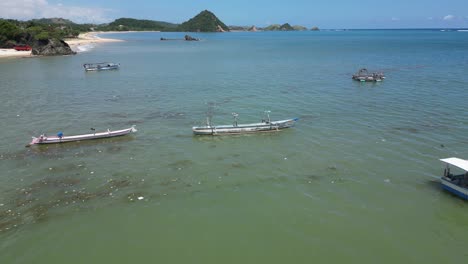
{"points": [[456, 183], [101, 66], [265, 126], [60, 138], [364, 76]]}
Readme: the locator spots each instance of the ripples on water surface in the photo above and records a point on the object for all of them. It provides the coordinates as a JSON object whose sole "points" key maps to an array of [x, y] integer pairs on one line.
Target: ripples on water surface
{"points": [[355, 180]]}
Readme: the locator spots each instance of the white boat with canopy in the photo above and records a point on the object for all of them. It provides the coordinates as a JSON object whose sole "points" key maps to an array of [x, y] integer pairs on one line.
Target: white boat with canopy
{"points": [[456, 183], [60, 138], [265, 126]]}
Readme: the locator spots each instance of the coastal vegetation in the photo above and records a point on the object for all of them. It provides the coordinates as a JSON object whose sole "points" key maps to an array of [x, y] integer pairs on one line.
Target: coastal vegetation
{"points": [[51, 31], [43, 35], [273, 27], [131, 24], [277, 27]]}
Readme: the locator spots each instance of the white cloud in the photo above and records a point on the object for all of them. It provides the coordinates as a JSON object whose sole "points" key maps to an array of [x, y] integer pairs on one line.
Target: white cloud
{"points": [[28, 9], [449, 17]]}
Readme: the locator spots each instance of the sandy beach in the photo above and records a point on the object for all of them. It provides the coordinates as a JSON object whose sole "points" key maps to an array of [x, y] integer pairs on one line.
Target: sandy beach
{"points": [[85, 40], [12, 53]]}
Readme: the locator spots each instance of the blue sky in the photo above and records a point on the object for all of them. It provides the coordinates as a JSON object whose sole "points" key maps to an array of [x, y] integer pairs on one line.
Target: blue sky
{"points": [[324, 14]]}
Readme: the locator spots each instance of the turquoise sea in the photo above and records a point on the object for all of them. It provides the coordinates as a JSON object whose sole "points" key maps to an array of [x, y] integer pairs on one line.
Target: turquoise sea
{"points": [[355, 181]]}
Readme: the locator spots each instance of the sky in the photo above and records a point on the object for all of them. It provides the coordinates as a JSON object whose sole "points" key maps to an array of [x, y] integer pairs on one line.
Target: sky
{"points": [[328, 14]]}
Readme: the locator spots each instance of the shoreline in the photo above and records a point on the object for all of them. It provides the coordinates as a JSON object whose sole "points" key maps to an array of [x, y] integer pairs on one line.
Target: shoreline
{"points": [[82, 42], [12, 53]]}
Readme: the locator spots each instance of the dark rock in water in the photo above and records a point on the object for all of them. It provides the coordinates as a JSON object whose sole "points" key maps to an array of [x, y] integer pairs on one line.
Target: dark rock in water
{"points": [[189, 38], [51, 47]]}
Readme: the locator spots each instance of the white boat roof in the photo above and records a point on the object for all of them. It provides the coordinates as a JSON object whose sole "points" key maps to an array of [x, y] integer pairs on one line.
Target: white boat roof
{"points": [[460, 163]]}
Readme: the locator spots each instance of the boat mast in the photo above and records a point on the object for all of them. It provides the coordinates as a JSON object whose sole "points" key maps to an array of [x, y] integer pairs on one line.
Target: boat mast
{"points": [[267, 113], [235, 115]]}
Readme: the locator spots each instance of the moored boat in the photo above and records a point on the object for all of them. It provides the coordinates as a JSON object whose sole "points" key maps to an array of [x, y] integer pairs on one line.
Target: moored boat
{"points": [[60, 138], [456, 183], [364, 76], [101, 66], [265, 126]]}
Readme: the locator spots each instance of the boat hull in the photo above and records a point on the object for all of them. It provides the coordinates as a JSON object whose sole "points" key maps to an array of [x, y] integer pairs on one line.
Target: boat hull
{"points": [[451, 187], [100, 66], [244, 128], [65, 139]]}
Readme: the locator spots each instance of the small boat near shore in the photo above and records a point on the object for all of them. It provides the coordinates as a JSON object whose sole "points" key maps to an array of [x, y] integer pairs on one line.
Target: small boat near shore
{"points": [[456, 183], [60, 138], [364, 76], [265, 126], [101, 66]]}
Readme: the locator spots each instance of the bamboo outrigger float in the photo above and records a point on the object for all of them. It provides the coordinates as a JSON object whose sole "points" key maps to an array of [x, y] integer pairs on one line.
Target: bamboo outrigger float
{"points": [[60, 138], [265, 126]]}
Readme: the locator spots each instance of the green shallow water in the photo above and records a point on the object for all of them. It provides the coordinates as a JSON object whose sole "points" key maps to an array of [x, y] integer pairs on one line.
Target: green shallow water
{"points": [[355, 180]]}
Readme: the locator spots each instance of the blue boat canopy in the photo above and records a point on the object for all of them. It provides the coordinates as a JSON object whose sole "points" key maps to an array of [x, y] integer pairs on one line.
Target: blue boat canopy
{"points": [[460, 163]]}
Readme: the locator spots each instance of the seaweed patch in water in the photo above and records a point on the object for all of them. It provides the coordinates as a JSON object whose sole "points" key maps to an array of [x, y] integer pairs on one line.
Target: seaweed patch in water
{"points": [[237, 165], [165, 115], [407, 129], [313, 177], [34, 203], [66, 168], [114, 149], [181, 164]]}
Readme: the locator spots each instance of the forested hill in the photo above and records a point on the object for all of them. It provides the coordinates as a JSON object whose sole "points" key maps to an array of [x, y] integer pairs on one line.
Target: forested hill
{"points": [[131, 24], [203, 22]]}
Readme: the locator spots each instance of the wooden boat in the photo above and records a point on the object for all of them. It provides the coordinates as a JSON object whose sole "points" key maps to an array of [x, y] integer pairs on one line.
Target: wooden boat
{"points": [[265, 126], [60, 138], [364, 76], [456, 183], [101, 66]]}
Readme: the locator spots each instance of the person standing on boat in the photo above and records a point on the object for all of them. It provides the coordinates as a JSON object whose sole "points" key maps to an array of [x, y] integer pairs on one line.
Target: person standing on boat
{"points": [[60, 135]]}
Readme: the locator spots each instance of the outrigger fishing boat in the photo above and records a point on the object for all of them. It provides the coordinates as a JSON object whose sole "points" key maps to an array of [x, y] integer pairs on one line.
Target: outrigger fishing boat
{"points": [[101, 66], [456, 183], [60, 138], [364, 76], [265, 126]]}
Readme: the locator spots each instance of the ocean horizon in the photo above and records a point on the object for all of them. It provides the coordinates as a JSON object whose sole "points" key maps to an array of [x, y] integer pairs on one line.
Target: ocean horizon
{"points": [[356, 180]]}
